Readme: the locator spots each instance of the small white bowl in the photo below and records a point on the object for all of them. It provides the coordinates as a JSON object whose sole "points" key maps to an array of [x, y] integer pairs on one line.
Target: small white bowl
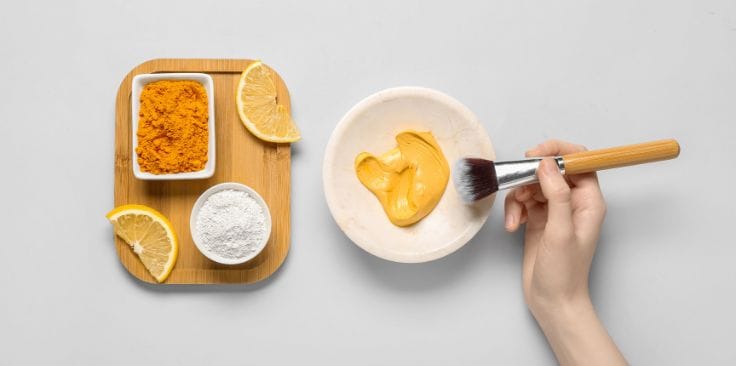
{"points": [[198, 205], [139, 82], [371, 126]]}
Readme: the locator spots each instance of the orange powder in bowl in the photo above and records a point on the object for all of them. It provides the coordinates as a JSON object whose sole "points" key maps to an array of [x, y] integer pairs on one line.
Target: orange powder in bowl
{"points": [[173, 135]]}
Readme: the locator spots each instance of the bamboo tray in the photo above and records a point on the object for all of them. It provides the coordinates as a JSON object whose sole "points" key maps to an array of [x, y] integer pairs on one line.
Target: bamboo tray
{"points": [[241, 157]]}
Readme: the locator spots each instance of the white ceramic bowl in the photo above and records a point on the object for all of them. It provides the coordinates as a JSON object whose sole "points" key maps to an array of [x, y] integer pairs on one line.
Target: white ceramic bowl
{"points": [[139, 82], [198, 205], [371, 126]]}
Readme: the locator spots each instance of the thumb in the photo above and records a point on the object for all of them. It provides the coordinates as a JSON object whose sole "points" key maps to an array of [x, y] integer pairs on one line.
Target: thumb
{"points": [[557, 192]]}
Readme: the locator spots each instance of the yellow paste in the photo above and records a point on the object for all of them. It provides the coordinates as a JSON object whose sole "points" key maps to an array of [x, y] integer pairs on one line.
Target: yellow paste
{"points": [[408, 180]]}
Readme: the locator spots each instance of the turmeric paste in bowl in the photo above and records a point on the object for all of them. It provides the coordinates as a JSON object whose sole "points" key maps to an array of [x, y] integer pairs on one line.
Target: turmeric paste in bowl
{"points": [[408, 180], [173, 126]]}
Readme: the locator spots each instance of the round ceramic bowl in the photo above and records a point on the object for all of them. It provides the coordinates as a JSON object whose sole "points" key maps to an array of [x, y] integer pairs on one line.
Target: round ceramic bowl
{"points": [[198, 205], [371, 126]]}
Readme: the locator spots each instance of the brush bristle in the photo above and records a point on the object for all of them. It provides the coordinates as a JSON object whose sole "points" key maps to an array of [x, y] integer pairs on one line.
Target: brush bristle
{"points": [[475, 178]]}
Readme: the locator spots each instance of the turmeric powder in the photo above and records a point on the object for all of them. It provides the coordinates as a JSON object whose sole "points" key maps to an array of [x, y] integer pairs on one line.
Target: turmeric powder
{"points": [[173, 133]]}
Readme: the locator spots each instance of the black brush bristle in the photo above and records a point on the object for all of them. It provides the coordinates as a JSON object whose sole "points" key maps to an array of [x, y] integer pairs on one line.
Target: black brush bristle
{"points": [[475, 178]]}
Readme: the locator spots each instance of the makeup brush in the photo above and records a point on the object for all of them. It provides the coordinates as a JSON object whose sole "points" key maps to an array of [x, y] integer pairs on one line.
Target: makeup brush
{"points": [[477, 178]]}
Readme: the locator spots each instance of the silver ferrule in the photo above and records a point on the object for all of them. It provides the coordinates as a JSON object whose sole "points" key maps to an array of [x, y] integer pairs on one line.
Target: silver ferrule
{"points": [[517, 173]]}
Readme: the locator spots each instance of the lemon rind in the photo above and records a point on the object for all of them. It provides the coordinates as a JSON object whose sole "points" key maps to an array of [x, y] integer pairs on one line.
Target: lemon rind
{"points": [[156, 216], [247, 122]]}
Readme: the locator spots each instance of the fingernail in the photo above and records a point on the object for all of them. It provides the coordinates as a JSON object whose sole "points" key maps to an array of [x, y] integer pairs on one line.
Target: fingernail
{"points": [[549, 167], [509, 222]]}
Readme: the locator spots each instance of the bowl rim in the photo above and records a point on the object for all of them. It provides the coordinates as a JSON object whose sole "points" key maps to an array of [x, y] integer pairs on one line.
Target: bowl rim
{"points": [[198, 206], [208, 83], [328, 168]]}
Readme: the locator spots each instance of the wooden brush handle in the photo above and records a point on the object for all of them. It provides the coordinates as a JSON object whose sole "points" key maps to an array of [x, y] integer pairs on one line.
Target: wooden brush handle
{"points": [[595, 160]]}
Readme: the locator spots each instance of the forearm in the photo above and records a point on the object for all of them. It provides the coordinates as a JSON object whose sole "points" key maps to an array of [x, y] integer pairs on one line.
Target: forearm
{"points": [[577, 336]]}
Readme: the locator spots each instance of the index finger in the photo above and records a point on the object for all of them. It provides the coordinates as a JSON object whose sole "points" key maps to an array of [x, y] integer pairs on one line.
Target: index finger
{"points": [[554, 148]]}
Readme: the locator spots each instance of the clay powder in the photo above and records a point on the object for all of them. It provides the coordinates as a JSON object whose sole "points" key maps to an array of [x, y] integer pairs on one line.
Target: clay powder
{"points": [[231, 224]]}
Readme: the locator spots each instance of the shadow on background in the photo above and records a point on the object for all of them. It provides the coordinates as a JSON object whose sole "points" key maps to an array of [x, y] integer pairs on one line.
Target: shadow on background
{"points": [[619, 231], [492, 246]]}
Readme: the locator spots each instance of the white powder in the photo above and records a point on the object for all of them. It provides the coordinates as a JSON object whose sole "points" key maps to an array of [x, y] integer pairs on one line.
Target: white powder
{"points": [[231, 224]]}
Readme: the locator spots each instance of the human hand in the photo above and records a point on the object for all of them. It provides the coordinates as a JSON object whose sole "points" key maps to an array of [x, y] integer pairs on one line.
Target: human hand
{"points": [[563, 217]]}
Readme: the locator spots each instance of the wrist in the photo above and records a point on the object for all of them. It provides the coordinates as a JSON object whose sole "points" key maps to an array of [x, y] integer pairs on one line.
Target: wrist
{"points": [[576, 334], [561, 313]]}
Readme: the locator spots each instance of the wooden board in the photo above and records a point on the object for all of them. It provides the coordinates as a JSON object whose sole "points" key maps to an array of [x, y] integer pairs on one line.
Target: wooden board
{"points": [[241, 157]]}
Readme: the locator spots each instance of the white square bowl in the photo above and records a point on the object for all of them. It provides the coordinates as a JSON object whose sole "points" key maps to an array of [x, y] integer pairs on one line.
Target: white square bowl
{"points": [[139, 82]]}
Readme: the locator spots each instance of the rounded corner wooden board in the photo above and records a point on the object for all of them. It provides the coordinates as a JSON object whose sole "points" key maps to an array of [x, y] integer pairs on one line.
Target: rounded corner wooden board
{"points": [[241, 157]]}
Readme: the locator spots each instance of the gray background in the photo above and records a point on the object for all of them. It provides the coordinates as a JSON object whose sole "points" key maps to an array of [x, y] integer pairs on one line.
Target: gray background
{"points": [[598, 73]]}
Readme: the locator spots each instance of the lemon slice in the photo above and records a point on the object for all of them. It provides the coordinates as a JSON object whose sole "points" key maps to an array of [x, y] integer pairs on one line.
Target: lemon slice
{"points": [[150, 235], [259, 107]]}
